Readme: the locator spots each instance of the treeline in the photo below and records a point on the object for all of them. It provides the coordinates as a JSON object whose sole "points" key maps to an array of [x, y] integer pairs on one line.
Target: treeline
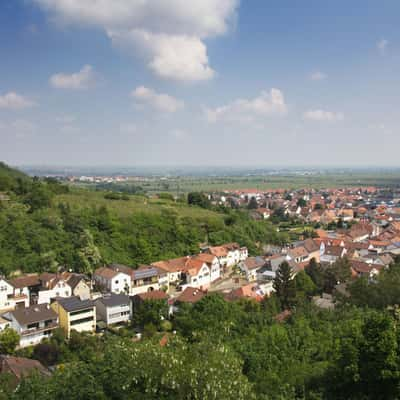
{"points": [[230, 350]]}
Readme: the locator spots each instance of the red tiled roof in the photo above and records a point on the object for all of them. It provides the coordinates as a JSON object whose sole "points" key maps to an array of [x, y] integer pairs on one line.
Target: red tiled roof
{"points": [[153, 295], [190, 295]]}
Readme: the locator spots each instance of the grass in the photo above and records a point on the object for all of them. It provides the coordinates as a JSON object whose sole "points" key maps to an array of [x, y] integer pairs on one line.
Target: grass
{"points": [[80, 198]]}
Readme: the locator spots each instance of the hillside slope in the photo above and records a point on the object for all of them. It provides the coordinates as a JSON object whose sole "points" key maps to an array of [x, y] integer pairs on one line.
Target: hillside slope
{"points": [[45, 225]]}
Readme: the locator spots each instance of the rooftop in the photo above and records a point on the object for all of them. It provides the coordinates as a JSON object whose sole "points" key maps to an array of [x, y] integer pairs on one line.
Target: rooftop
{"points": [[74, 303]]}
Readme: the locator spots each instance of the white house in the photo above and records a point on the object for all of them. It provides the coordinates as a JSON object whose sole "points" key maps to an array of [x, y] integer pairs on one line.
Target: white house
{"points": [[145, 278], [113, 281], [251, 266], [197, 274], [11, 297], [113, 308], [212, 263], [234, 254], [173, 268], [33, 324], [53, 285]]}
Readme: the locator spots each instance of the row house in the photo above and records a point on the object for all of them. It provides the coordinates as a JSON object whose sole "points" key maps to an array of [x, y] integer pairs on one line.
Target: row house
{"points": [[31, 289], [12, 297], [117, 278], [53, 285], [33, 324], [251, 266], [112, 280], [144, 278], [113, 309], [196, 271], [229, 254], [212, 263], [332, 253], [75, 314], [173, 268], [148, 278]]}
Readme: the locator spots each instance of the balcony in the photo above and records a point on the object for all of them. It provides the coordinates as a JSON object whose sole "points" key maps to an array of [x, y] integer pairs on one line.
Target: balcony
{"points": [[85, 314], [34, 331]]}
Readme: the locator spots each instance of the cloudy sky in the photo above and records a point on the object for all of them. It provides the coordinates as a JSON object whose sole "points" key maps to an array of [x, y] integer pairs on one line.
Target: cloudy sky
{"points": [[200, 82]]}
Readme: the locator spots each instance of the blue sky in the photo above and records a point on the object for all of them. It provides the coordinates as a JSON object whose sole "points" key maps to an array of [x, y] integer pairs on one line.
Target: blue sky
{"points": [[205, 82]]}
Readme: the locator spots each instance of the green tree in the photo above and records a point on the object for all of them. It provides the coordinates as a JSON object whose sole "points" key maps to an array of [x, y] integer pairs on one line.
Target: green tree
{"points": [[304, 285], [366, 364], [342, 269], [89, 254], [285, 286], [301, 202], [38, 197], [315, 272], [9, 340], [151, 312], [198, 199]]}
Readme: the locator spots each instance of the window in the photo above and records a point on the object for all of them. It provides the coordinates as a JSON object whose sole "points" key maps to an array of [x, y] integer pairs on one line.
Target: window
{"points": [[80, 312], [81, 321]]}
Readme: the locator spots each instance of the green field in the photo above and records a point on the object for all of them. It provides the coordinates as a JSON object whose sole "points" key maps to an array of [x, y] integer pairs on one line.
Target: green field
{"points": [[181, 185]]}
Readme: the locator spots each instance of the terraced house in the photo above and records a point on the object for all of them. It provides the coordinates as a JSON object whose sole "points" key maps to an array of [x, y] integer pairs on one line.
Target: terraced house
{"points": [[75, 314], [33, 324]]}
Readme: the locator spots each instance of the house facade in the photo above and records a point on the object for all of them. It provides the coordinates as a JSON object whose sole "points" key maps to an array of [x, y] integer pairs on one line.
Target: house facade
{"points": [[33, 324], [114, 281], [75, 314], [12, 297], [113, 308], [53, 285], [251, 266], [197, 274]]}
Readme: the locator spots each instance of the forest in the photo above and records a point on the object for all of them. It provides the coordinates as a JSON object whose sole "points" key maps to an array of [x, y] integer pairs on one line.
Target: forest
{"points": [[45, 225]]}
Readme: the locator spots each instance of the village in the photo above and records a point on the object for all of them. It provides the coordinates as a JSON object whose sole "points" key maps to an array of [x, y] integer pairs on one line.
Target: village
{"points": [[366, 233]]}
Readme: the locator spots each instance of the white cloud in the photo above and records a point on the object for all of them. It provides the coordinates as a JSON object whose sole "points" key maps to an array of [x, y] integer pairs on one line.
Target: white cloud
{"points": [[382, 45], [176, 57], [83, 79], [159, 101], [318, 76], [322, 115], [248, 110], [170, 34], [12, 100]]}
